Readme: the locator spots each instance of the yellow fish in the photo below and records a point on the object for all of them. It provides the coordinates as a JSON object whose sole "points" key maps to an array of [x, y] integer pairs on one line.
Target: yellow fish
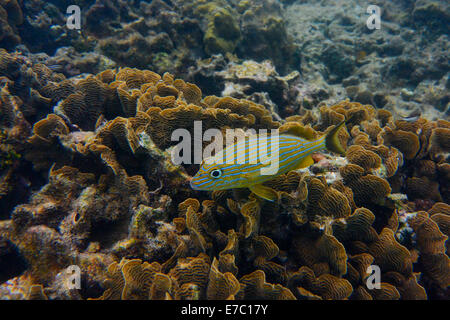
{"points": [[247, 171]]}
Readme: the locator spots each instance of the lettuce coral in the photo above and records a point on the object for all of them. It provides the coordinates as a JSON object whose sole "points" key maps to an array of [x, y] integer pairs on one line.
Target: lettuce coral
{"points": [[114, 203]]}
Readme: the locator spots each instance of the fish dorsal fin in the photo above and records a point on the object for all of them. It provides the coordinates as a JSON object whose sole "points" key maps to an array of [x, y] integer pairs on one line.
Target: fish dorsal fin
{"points": [[297, 130], [264, 192], [305, 162]]}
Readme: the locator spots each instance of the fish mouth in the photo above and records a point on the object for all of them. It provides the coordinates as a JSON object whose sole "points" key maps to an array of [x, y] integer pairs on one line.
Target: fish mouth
{"points": [[193, 186]]}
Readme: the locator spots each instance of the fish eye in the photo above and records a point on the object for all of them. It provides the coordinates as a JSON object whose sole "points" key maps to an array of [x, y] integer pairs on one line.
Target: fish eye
{"points": [[216, 173]]}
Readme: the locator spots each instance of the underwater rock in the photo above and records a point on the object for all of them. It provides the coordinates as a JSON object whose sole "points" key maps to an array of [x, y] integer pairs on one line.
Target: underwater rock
{"points": [[430, 15], [265, 36], [248, 79], [374, 66], [163, 36]]}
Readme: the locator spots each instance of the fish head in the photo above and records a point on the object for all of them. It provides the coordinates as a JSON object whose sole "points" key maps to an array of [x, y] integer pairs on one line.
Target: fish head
{"points": [[209, 177]]}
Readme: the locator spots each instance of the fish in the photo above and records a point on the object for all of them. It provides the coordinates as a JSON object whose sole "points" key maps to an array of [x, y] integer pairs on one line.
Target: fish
{"points": [[293, 153]]}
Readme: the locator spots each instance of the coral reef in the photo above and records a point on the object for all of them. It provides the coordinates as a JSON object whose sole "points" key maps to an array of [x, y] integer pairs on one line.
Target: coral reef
{"points": [[161, 35], [11, 16], [110, 200], [402, 67], [87, 179]]}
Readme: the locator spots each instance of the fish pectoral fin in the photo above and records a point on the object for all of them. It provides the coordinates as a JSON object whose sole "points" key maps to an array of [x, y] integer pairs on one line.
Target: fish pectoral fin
{"points": [[305, 162], [264, 192]]}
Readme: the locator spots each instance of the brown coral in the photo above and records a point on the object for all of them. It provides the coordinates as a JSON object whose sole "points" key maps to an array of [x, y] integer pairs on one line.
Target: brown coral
{"points": [[10, 17], [431, 245], [254, 286], [407, 142], [323, 255], [104, 152], [364, 158], [366, 188], [130, 279], [221, 286], [44, 147], [325, 286], [389, 255]]}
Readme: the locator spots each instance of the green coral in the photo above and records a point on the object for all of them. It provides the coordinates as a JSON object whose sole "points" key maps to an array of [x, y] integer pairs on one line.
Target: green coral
{"points": [[162, 61], [222, 34]]}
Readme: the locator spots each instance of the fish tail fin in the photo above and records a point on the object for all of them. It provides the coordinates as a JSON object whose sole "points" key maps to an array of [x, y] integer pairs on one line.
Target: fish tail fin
{"points": [[332, 142]]}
